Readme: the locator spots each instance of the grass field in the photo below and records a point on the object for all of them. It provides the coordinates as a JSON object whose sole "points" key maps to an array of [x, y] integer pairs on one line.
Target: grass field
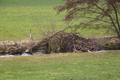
{"points": [[19, 3], [17, 21], [17, 17], [75, 66]]}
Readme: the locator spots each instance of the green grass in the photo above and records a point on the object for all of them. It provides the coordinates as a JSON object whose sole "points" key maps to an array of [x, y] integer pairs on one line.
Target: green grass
{"points": [[69, 66], [17, 21], [17, 17], [20, 3]]}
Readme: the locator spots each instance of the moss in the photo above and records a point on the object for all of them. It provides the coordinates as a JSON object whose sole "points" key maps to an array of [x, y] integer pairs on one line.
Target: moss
{"points": [[109, 46]]}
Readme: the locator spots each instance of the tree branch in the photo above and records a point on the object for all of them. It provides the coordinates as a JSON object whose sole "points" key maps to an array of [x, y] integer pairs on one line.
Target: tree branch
{"points": [[110, 19], [117, 20]]}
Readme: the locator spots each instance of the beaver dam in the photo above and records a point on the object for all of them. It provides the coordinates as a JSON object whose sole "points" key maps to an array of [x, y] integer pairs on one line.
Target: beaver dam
{"points": [[58, 42]]}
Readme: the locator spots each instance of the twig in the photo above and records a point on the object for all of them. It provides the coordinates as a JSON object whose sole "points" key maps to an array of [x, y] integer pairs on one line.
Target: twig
{"points": [[29, 50], [31, 36]]}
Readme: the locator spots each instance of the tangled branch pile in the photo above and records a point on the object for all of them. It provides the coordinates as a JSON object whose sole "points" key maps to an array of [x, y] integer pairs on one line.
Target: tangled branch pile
{"points": [[14, 48], [65, 42], [74, 43], [58, 42]]}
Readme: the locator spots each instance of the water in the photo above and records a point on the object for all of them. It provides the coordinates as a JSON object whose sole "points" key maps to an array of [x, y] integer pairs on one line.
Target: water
{"points": [[101, 51], [37, 53], [25, 54], [7, 55]]}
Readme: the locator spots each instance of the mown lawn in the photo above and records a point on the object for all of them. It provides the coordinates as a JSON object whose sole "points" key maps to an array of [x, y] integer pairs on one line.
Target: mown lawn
{"points": [[68, 66]]}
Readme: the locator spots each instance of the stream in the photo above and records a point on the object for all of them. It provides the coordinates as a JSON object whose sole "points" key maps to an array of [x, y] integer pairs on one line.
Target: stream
{"points": [[23, 54], [37, 53]]}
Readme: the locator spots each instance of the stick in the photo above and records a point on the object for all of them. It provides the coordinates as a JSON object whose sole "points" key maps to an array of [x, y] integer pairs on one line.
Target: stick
{"points": [[44, 40], [31, 36]]}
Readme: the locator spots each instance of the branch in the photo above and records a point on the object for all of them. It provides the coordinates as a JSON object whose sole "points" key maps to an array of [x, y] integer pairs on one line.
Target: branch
{"points": [[98, 19], [110, 19], [117, 20], [29, 50], [31, 36], [76, 10], [102, 10], [93, 18]]}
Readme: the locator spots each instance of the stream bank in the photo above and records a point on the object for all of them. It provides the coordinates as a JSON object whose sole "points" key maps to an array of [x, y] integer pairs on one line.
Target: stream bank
{"points": [[60, 42]]}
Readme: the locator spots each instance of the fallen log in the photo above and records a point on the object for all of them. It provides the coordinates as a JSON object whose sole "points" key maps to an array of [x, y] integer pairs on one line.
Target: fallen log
{"points": [[13, 48]]}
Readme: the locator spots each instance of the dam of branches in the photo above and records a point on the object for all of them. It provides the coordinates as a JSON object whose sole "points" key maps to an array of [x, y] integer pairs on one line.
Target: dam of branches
{"points": [[58, 42]]}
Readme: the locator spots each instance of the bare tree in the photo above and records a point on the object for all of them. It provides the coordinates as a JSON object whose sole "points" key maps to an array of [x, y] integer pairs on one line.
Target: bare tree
{"points": [[94, 11]]}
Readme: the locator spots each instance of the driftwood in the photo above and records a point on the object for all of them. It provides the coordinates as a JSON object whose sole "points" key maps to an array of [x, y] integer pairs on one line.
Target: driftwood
{"points": [[13, 48]]}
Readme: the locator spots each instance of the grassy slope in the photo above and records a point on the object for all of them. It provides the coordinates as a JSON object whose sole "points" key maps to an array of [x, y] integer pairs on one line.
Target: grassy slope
{"points": [[19, 20], [30, 3], [17, 17], [76, 66]]}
